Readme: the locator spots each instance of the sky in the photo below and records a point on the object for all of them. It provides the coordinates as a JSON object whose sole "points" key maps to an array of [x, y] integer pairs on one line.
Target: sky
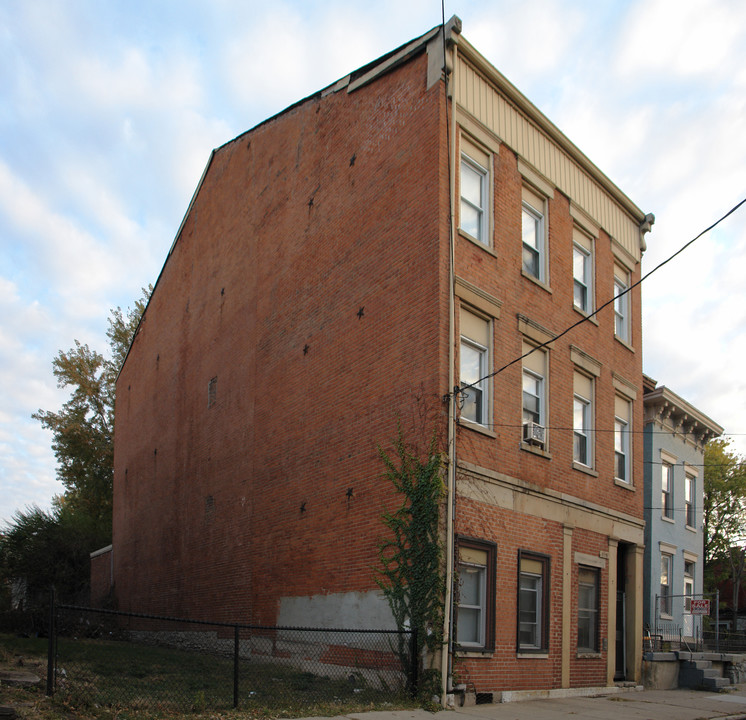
{"points": [[109, 111]]}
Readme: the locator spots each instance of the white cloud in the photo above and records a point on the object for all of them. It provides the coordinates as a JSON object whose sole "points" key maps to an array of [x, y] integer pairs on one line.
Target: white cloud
{"points": [[691, 39]]}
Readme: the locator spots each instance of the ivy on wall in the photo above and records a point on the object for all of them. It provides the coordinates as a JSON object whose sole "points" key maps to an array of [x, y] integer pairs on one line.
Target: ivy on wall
{"points": [[411, 575]]}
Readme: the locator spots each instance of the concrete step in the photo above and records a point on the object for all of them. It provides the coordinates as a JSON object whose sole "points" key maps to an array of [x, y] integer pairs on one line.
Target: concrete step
{"points": [[715, 683], [696, 664]]}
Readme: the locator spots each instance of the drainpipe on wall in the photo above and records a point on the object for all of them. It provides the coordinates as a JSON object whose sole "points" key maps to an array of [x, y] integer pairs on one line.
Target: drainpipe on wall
{"points": [[447, 648]]}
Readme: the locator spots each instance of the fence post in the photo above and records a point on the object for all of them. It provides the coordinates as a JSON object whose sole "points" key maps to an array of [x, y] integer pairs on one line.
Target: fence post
{"points": [[717, 620], [235, 666], [51, 644], [414, 668]]}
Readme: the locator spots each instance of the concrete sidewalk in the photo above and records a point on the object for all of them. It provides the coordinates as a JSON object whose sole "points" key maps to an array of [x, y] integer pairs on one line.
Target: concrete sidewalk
{"points": [[640, 705]]}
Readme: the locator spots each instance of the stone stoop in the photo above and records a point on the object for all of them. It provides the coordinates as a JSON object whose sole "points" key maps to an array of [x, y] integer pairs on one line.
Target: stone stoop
{"points": [[701, 674]]}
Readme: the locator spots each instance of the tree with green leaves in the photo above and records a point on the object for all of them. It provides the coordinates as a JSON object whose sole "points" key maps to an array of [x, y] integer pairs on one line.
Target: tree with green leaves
{"points": [[411, 575], [83, 430], [724, 517], [38, 548]]}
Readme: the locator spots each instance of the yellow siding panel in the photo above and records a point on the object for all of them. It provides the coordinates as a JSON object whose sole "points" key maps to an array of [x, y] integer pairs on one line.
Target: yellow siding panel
{"points": [[480, 99]]}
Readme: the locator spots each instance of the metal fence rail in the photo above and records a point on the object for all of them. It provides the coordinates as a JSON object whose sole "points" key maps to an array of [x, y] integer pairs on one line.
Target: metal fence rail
{"points": [[117, 659]]}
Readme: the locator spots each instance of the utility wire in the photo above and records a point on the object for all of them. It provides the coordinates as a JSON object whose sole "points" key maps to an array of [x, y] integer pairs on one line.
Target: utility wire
{"points": [[460, 390]]}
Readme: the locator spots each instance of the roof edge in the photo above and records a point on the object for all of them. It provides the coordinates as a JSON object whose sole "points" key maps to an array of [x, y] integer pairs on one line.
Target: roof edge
{"points": [[546, 125]]}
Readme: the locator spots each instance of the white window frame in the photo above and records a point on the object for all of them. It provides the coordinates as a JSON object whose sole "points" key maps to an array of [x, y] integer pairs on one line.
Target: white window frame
{"points": [[532, 218], [532, 584], [689, 575], [584, 430], [535, 371], [585, 283], [480, 386], [586, 614], [621, 304], [690, 498], [665, 587], [667, 489], [483, 210], [539, 395], [621, 448], [480, 571]]}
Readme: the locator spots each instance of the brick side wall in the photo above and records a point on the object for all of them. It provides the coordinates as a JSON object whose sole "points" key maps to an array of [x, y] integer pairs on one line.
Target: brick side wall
{"points": [[305, 286]]}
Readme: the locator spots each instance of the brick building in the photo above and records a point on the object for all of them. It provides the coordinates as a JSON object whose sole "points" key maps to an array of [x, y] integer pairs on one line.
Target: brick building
{"points": [[342, 266]]}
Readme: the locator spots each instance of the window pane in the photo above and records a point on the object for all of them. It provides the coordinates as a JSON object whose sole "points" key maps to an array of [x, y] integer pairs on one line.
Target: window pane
{"points": [[468, 625], [473, 370], [473, 200], [579, 265], [529, 613], [471, 219], [471, 184], [471, 604], [531, 228], [469, 579]]}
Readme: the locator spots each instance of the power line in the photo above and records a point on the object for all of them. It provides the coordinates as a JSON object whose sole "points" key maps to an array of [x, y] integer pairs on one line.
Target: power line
{"points": [[586, 318]]}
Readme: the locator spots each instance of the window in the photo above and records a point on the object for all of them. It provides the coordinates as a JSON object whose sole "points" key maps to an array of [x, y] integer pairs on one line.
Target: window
{"points": [[476, 594], [690, 484], [665, 593], [621, 439], [582, 271], [621, 303], [582, 422], [533, 231], [533, 594], [588, 584], [667, 490], [688, 584], [534, 396], [475, 342], [475, 192]]}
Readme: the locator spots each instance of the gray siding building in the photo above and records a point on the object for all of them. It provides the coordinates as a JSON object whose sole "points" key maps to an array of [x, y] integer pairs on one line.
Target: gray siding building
{"points": [[675, 435]]}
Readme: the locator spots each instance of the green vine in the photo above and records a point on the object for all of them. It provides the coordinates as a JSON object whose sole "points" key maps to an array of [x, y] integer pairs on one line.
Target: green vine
{"points": [[411, 576]]}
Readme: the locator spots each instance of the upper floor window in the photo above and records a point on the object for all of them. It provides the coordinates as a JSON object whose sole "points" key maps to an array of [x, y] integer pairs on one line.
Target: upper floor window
{"points": [[474, 367], [533, 229], [667, 490], [690, 484], [475, 192], [534, 387], [582, 271], [622, 419], [621, 303], [583, 420]]}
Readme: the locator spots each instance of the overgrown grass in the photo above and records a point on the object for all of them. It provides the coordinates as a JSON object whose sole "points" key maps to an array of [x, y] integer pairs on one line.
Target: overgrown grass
{"points": [[106, 679]]}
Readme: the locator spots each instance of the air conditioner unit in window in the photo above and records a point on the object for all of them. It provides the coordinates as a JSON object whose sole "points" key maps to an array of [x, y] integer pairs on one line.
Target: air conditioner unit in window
{"points": [[534, 434]]}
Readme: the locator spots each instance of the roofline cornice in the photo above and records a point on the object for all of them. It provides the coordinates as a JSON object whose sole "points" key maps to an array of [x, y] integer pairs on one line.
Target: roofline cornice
{"points": [[524, 105]]}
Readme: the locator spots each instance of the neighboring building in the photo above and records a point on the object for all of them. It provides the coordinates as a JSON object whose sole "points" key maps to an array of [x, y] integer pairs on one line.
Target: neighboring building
{"points": [[331, 278], [675, 437]]}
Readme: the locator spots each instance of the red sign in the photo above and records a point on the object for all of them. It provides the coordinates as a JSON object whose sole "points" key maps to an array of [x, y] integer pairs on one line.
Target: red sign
{"points": [[700, 607]]}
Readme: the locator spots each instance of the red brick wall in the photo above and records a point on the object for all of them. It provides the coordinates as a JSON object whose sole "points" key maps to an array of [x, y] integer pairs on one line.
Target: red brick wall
{"points": [[331, 207], [500, 275]]}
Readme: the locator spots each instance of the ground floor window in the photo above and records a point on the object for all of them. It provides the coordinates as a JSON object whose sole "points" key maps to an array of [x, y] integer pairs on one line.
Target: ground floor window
{"points": [[588, 589], [533, 594], [665, 594], [475, 594]]}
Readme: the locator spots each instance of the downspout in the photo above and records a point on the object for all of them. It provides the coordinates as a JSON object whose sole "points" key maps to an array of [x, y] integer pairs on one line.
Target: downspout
{"points": [[447, 648]]}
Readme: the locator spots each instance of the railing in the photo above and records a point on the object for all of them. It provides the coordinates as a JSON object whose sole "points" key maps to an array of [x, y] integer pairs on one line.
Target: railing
{"points": [[117, 659]]}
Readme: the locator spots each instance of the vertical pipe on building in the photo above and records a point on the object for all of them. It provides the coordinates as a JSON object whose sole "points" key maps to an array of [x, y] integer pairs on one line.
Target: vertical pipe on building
{"points": [[447, 648]]}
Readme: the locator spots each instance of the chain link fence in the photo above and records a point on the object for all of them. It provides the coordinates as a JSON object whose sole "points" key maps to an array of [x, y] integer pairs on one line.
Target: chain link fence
{"points": [[108, 658]]}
